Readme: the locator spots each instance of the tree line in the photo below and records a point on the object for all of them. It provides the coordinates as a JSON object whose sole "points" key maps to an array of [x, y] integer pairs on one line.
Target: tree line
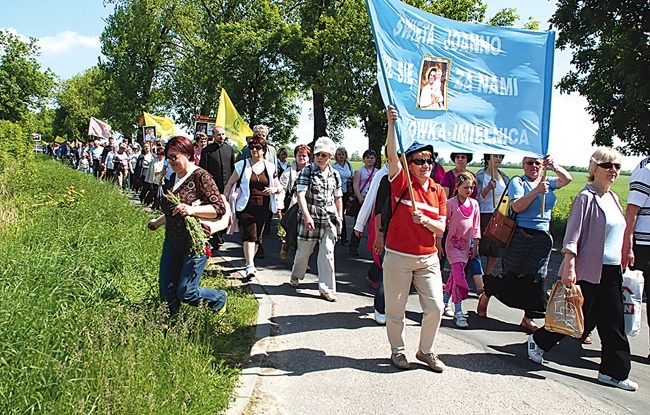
{"points": [[172, 57]]}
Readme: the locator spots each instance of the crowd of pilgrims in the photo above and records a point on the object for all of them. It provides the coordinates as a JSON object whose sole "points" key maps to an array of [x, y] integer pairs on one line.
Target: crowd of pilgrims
{"points": [[408, 246]]}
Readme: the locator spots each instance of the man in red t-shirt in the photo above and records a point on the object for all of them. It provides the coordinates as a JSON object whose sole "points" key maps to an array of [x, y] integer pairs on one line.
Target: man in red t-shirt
{"points": [[411, 254]]}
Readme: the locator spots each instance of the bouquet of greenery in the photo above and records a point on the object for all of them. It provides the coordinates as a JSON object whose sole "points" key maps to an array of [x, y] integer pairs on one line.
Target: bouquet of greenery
{"points": [[199, 238]]}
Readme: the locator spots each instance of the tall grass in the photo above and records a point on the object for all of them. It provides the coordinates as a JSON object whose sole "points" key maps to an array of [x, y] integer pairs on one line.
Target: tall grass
{"points": [[81, 328]]}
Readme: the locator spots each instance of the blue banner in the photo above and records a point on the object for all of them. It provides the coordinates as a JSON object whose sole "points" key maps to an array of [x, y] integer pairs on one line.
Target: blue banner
{"points": [[463, 87]]}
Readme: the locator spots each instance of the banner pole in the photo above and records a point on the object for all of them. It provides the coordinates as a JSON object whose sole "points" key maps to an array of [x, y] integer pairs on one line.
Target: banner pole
{"points": [[408, 180], [543, 194], [493, 174]]}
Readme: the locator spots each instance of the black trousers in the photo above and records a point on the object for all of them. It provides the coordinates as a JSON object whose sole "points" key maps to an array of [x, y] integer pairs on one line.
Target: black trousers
{"points": [[604, 306]]}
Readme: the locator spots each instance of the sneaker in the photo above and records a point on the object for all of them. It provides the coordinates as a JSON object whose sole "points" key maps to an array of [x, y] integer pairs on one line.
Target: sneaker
{"points": [[431, 360], [460, 320], [294, 281], [535, 353], [626, 384], [380, 318], [250, 271], [284, 250], [449, 310], [399, 361]]}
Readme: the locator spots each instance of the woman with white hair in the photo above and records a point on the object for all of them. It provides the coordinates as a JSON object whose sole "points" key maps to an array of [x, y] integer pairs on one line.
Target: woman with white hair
{"points": [[592, 249], [319, 218]]}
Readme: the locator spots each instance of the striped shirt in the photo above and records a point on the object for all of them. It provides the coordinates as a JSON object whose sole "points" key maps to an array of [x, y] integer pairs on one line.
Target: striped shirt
{"points": [[640, 196]]}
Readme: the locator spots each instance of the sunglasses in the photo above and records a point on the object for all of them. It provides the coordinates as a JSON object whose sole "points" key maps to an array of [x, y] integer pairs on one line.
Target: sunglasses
{"points": [[533, 163], [256, 147], [609, 165], [321, 155], [421, 161], [173, 157]]}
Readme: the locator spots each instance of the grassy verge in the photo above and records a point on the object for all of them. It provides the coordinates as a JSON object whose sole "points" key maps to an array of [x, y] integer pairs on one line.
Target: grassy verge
{"points": [[81, 328]]}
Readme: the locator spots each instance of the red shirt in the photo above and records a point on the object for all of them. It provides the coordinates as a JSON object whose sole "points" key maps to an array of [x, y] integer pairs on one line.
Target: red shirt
{"points": [[405, 236]]}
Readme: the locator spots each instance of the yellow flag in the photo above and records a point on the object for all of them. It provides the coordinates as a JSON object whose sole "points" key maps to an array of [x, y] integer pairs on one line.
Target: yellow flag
{"points": [[59, 140], [227, 117], [164, 126]]}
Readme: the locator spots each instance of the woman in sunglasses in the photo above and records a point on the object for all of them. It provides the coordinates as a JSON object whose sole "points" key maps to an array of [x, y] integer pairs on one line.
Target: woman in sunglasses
{"points": [[522, 282], [592, 249], [411, 253], [254, 205]]}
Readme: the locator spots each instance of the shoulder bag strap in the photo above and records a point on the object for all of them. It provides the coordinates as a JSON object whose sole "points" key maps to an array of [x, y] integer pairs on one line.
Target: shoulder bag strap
{"points": [[242, 173]]}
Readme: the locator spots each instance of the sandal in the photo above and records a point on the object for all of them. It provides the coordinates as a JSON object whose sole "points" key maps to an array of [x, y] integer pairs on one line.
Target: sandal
{"points": [[588, 339]]}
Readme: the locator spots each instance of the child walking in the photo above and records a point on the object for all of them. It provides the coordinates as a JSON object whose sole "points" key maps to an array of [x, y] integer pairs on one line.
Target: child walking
{"points": [[464, 232]]}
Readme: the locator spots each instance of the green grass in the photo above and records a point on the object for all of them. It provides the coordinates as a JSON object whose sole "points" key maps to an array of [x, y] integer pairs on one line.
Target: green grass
{"points": [[81, 328]]}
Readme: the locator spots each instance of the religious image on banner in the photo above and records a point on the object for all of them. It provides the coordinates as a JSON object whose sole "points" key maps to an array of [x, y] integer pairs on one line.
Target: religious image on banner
{"points": [[201, 127], [432, 94], [149, 133]]}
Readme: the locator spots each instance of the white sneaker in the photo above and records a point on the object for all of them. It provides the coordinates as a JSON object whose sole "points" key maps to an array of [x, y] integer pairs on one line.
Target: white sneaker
{"points": [[535, 353], [250, 271], [380, 318], [460, 320], [449, 311], [626, 384]]}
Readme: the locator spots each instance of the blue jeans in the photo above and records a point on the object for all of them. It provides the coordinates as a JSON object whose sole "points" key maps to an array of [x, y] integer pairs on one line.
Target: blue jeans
{"points": [[179, 279]]}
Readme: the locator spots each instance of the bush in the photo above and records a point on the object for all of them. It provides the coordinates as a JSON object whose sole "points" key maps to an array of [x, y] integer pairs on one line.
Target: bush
{"points": [[81, 328], [15, 146]]}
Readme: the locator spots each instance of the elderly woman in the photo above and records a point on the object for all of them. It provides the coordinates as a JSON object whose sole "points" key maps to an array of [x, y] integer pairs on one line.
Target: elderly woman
{"points": [[302, 154], [346, 171], [522, 283], [411, 254], [181, 269], [255, 204], [360, 185], [319, 218], [592, 257], [490, 185]]}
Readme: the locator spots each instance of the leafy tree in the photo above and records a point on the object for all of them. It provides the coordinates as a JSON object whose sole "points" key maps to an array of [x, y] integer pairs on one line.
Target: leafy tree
{"points": [[611, 53], [23, 86], [139, 46], [240, 46], [80, 98]]}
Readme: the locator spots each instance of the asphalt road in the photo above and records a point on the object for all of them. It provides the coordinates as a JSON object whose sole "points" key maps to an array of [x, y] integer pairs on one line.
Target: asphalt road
{"points": [[332, 357]]}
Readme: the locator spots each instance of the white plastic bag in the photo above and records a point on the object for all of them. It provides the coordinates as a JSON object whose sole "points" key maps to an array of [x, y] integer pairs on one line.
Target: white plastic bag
{"points": [[632, 301]]}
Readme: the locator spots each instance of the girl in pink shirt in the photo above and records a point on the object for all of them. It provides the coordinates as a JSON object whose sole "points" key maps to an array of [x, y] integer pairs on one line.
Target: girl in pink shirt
{"points": [[464, 232]]}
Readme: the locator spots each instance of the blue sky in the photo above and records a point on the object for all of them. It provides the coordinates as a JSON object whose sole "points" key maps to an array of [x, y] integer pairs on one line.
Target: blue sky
{"points": [[68, 32]]}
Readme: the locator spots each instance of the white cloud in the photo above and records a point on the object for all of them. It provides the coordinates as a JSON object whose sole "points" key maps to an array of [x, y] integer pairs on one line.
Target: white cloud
{"points": [[67, 41]]}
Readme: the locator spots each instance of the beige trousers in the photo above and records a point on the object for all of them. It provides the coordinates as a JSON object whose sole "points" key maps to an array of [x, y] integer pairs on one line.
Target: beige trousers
{"points": [[424, 272]]}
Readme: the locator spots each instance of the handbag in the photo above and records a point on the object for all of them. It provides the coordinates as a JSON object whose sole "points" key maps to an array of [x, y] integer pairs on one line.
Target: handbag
{"points": [[235, 194], [501, 227], [212, 226], [352, 205], [564, 310], [289, 222], [632, 301]]}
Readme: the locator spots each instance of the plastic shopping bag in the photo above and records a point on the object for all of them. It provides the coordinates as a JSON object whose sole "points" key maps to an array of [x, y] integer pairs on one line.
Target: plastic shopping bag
{"points": [[632, 301], [564, 310]]}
